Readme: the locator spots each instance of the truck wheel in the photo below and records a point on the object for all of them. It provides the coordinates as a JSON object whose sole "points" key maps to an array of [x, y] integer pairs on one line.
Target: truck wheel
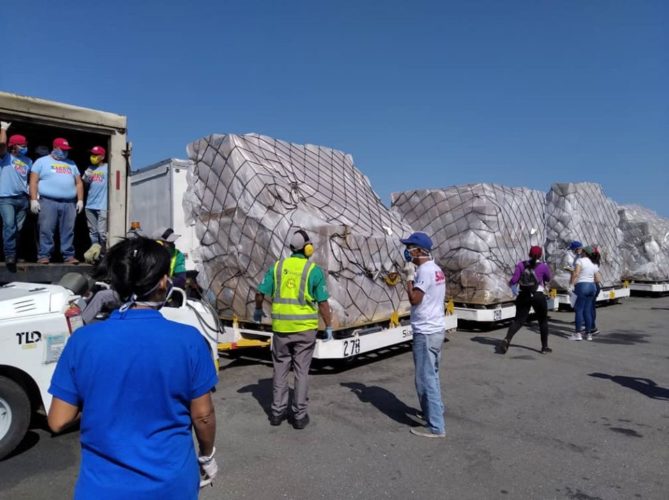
{"points": [[14, 415]]}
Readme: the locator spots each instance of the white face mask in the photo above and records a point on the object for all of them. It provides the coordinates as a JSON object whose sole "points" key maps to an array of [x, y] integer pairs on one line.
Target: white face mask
{"points": [[153, 304]]}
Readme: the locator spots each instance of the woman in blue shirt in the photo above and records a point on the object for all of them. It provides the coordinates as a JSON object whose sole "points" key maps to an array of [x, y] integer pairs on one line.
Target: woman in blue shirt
{"points": [[140, 384]]}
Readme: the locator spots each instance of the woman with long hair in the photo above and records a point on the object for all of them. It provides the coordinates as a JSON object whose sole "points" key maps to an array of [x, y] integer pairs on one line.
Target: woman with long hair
{"points": [[584, 282]]}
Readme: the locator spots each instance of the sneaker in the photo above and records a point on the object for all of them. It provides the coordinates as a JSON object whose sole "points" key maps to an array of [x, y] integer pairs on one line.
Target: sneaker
{"points": [[546, 350], [43, 260], [595, 331], [588, 336], [503, 346], [426, 433], [71, 260], [301, 423], [277, 419], [576, 336]]}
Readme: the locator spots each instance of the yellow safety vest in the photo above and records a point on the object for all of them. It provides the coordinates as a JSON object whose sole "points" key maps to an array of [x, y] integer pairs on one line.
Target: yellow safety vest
{"points": [[173, 263], [293, 307]]}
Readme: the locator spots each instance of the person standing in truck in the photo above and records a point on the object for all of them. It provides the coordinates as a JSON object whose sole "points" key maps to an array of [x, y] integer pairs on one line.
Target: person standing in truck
{"points": [[426, 288], [298, 291], [57, 195], [96, 176], [141, 385], [14, 170]]}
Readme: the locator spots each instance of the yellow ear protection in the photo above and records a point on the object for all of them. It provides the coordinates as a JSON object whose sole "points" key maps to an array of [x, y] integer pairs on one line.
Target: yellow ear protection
{"points": [[308, 248]]}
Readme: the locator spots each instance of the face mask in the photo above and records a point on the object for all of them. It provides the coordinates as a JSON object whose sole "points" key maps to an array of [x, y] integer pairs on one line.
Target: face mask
{"points": [[96, 159], [407, 255], [23, 150], [59, 154], [155, 305]]}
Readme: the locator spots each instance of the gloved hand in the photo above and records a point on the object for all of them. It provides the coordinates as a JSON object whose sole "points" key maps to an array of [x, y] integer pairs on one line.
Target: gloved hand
{"points": [[34, 206], [80, 206], [570, 289], [514, 289], [409, 272], [208, 468], [93, 253], [328, 334], [5, 125], [258, 315]]}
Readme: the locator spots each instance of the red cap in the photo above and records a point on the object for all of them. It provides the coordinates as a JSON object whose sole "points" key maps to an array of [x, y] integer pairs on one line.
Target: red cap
{"points": [[17, 140], [98, 150], [535, 252], [60, 143]]}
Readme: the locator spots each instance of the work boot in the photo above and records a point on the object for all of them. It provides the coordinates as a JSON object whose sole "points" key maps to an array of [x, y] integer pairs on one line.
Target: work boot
{"points": [[277, 419], [300, 423]]}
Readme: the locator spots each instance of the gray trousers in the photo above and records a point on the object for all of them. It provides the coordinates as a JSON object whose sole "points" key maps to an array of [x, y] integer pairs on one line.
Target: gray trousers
{"points": [[296, 350], [97, 226]]}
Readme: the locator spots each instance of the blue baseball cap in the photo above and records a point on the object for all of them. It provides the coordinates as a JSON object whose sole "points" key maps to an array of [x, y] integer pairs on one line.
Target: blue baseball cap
{"points": [[421, 240], [575, 245]]}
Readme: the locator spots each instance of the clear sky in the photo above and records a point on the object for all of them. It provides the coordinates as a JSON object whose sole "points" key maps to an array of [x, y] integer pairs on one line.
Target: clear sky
{"points": [[423, 94]]}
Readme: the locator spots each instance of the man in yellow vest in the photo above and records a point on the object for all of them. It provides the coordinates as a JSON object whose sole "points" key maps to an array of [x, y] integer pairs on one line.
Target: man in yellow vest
{"points": [[166, 237], [298, 292]]}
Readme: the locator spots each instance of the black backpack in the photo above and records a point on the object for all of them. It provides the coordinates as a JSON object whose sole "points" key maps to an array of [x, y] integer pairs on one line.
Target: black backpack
{"points": [[528, 281]]}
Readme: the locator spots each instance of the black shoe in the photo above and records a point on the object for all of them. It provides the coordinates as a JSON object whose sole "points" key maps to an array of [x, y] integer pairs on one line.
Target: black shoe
{"points": [[503, 346], [277, 419], [546, 350], [11, 266], [301, 423]]}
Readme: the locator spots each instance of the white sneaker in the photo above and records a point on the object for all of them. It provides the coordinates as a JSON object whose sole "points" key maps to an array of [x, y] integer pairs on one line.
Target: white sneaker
{"points": [[588, 336], [576, 336]]}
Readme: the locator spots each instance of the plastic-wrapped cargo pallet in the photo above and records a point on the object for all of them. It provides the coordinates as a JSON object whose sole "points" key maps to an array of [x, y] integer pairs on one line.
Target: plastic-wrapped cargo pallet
{"points": [[645, 246], [581, 211], [248, 193], [480, 232]]}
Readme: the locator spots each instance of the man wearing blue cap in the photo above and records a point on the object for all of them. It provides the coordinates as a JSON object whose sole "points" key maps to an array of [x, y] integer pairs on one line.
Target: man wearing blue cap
{"points": [[576, 249], [426, 287]]}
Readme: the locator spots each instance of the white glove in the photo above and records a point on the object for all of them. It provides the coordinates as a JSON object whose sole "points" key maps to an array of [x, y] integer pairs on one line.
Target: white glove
{"points": [[570, 289], [34, 206], [5, 125], [409, 272], [208, 468], [80, 206]]}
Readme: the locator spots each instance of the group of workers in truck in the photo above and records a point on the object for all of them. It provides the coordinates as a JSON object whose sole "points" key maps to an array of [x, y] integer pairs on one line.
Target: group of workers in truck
{"points": [[52, 188]]}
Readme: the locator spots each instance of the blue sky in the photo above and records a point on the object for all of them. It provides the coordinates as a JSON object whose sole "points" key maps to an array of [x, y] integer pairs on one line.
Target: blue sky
{"points": [[423, 94]]}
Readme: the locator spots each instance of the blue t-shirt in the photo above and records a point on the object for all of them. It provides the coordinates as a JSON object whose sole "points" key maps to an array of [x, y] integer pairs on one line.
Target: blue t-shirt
{"points": [[97, 192], [14, 172], [56, 177], [134, 376]]}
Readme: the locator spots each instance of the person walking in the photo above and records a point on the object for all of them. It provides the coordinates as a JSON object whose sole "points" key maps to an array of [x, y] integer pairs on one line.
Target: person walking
{"points": [[298, 291], [14, 170], [140, 384], [57, 183], [426, 288], [531, 277], [583, 284]]}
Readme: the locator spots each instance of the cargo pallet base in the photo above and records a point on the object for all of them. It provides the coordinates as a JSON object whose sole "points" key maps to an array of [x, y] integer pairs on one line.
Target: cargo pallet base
{"points": [[607, 295], [493, 313], [345, 344], [650, 288]]}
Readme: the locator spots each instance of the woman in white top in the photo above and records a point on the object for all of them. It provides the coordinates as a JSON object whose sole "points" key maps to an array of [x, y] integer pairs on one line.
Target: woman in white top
{"points": [[583, 282]]}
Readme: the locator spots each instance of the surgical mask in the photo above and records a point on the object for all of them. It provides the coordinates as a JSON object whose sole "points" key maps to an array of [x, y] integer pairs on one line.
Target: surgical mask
{"points": [[96, 159], [407, 255], [59, 154], [23, 150], [154, 304]]}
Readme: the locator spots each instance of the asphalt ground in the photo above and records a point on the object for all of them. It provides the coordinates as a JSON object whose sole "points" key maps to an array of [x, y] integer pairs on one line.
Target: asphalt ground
{"points": [[588, 421]]}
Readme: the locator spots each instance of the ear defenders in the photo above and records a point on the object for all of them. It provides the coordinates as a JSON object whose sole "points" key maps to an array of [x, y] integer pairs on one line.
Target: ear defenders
{"points": [[307, 248]]}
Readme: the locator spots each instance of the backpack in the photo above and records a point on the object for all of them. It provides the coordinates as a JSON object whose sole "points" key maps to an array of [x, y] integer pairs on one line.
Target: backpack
{"points": [[528, 281]]}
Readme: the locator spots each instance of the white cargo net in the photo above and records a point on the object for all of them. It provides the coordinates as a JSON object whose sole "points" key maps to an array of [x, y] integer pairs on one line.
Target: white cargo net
{"points": [[645, 246], [480, 232], [581, 211], [247, 194]]}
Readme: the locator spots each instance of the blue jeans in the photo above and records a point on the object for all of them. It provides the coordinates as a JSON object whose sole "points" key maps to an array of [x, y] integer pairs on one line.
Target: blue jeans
{"points": [[426, 357], [585, 299], [56, 213], [13, 210]]}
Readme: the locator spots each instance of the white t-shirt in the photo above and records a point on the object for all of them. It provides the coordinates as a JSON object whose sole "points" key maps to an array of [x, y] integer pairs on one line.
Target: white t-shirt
{"points": [[428, 317], [588, 270]]}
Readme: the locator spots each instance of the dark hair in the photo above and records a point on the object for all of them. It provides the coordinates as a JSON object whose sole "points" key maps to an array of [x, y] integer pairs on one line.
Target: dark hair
{"points": [[136, 265], [595, 257]]}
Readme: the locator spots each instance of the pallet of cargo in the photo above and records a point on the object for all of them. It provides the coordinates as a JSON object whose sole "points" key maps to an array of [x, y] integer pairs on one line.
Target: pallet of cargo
{"points": [[608, 295], [649, 288], [346, 344], [494, 313]]}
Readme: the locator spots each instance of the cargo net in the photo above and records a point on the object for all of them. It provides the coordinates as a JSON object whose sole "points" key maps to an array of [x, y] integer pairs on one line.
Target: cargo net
{"points": [[581, 211], [480, 232], [645, 245], [247, 194]]}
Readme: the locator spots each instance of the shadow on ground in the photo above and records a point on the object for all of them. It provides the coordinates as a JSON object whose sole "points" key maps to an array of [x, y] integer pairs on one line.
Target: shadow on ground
{"points": [[384, 401], [645, 386]]}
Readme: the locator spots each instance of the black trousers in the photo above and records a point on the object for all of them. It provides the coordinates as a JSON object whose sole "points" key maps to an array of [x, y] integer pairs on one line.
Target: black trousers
{"points": [[524, 302]]}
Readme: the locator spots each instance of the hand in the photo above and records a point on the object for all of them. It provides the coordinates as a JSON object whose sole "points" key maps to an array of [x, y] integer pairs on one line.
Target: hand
{"points": [[208, 468], [328, 333], [80, 206], [570, 288], [258, 315], [409, 272], [5, 125], [514, 289], [34, 206]]}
